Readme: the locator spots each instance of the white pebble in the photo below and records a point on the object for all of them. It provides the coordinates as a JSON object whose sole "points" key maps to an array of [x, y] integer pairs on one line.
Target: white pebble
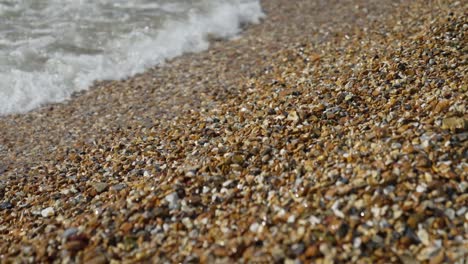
{"points": [[187, 222], [173, 200], [226, 183], [424, 236], [450, 213], [421, 188], [314, 220], [49, 211], [461, 211], [254, 227]]}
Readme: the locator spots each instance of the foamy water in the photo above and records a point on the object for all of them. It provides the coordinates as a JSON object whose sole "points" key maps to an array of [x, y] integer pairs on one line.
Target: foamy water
{"points": [[50, 49]]}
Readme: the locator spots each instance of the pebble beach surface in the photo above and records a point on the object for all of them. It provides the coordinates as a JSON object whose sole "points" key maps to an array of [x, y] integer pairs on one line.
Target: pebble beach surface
{"points": [[334, 131]]}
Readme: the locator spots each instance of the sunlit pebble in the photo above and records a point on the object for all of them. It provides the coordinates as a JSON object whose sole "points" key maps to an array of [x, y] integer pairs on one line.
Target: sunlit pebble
{"points": [[314, 220], [450, 213], [336, 211], [421, 188], [254, 227], [375, 211], [424, 236], [187, 222], [389, 189], [357, 242], [225, 230], [226, 183], [461, 211], [49, 211], [173, 200]]}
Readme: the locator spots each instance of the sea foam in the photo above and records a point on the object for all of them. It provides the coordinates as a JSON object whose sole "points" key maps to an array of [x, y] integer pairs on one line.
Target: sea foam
{"points": [[52, 48]]}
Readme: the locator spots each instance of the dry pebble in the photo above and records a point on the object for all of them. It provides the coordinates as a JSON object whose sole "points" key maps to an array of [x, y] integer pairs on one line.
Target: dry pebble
{"points": [[48, 212], [331, 138]]}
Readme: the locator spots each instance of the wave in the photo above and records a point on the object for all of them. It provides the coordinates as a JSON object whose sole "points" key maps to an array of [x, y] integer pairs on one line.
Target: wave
{"points": [[44, 70]]}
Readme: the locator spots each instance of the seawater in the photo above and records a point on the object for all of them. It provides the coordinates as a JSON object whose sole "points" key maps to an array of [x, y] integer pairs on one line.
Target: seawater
{"points": [[50, 49]]}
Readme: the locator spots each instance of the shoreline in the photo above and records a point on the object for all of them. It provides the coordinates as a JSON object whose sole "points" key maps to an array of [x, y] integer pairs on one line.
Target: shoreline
{"points": [[268, 147], [83, 107]]}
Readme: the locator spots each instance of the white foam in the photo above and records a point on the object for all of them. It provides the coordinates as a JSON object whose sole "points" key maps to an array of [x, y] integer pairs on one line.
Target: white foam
{"points": [[48, 69]]}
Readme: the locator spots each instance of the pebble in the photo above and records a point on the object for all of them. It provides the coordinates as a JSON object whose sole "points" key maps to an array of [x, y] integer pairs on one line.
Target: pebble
{"points": [[173, 200], [48, 212], [69, 232], [424, 236], [6, 205], [100, 187], [118, 187]]}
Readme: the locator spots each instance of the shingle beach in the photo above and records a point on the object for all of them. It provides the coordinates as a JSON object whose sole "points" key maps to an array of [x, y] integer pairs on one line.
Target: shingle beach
{"points": [[332, 132]]}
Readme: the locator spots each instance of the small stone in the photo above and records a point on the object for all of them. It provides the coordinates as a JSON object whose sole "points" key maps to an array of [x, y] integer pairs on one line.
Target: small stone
{"points": [[423, 161], [455, 123], [438, 258], [76, 245], [100, 187], [309, 165], [410, 236], [187, 223], [450, 213], [421, 188], [6, 206], [96, 259], [293, 116], [297, 249], [312, 251], [461, 211], [254, 227], [173, 200], [49, 228], [442, 106], [118, 187], [195, 200], [221, 252], [408, 259], [291, 219], [238, 159], [423, 236], [47, 212], [414, 219], [69, 232], [126, 227]]}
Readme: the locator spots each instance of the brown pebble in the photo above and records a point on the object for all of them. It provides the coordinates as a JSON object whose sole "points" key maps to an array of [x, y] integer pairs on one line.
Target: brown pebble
{"points": [[126, 227], [438, 258], [312, 251], [455, 123]]}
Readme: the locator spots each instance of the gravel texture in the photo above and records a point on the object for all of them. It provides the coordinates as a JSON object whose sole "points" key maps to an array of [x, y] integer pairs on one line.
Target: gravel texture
{"points": [[335, 131]]}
